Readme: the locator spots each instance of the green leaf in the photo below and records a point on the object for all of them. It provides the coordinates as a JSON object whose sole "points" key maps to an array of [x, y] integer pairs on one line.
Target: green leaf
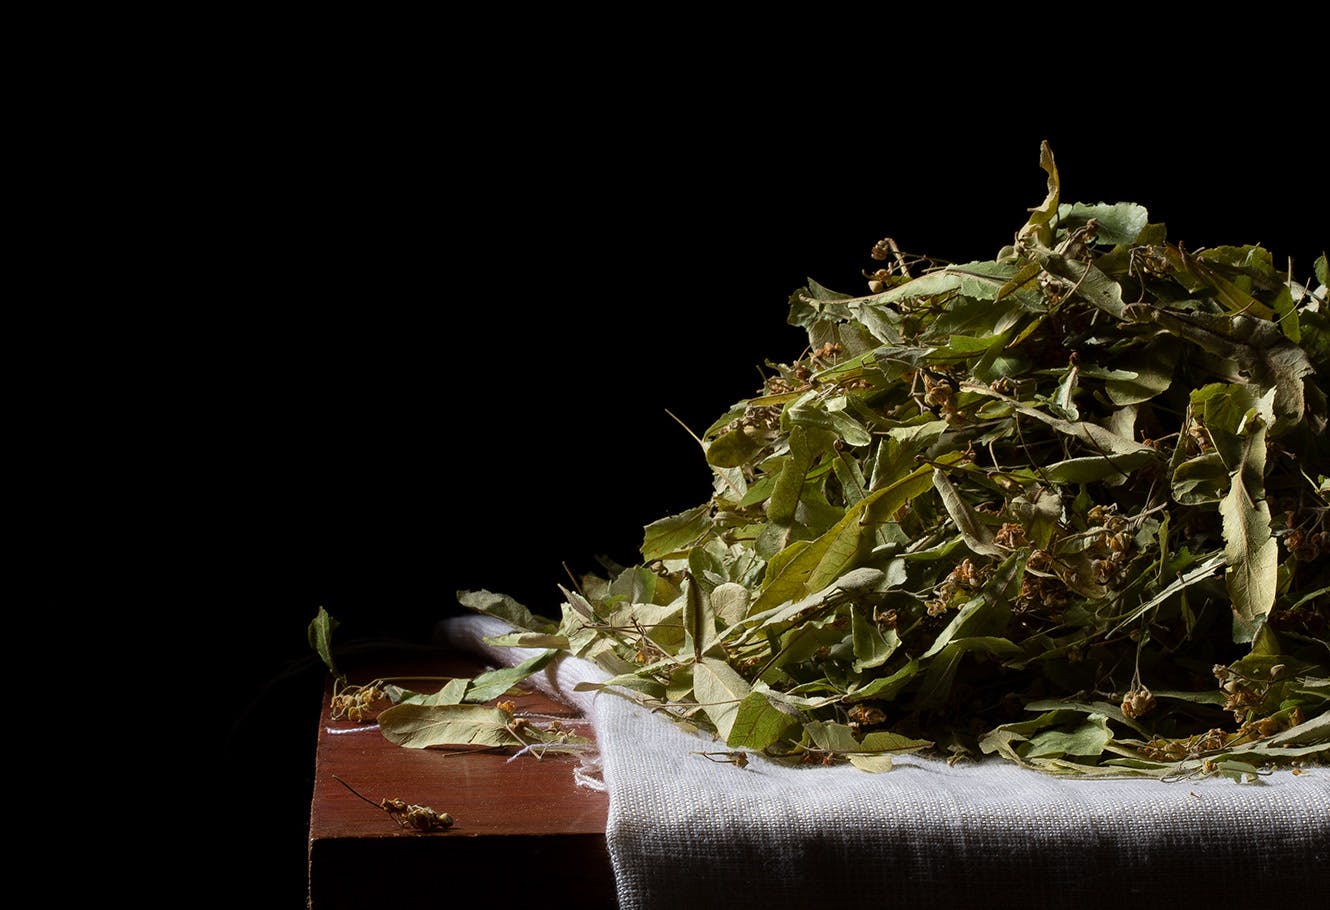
{"points": [[1253, 559], [320, 637], [826, 294], [929, 285], [1265, 643], [882, 323], [1206, 697], [637, 584], [895, 454], [975, 324], [878, 748], [845, 426], [872, 646], [1039, 227], [675, 533], [974, 532], [642, 680], [1311, 595], [1120, 223], [1250, 551], [1286, 314], [801, 641], [1111, 711], [832, 737], [1087, 739], [993, 280], [1182, 581], [680, 684], [1231, 295], [840, 740], [785, 497], [719, 690], [822, 561], [1092, 285], [1007, 739], [963, 346], [421, 726], [453, 693], [494, 683], [733, 449], [1200, 479], [851, 476], [663, 623], [853, 337], [1098, 439], [981, 280], [758, 724], [1091, 468], [1039, 511], [887, 741], [699, 620], [885, 688], [1153, 367], [873, 763], [1253, 348], [1064, 403], [504, 607], [730, 602], [1244, 262], [528, 640]]}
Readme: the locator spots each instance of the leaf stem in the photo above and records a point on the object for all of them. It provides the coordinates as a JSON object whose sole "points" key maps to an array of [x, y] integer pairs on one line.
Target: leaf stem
{"points": [[357, 792]]}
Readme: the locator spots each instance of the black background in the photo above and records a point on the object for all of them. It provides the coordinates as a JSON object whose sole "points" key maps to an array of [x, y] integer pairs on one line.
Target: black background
{"points": [[442, 334]]}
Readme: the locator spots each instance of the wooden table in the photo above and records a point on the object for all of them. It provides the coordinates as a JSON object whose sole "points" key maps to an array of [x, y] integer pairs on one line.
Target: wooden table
{"points": [[523, 832]]}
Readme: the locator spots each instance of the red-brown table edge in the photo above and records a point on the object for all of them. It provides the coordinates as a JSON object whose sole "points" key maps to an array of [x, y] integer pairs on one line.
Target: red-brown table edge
{"points": [[524, 832]]}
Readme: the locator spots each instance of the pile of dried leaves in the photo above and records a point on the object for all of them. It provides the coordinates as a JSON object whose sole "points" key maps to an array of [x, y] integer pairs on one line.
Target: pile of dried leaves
{"points": [[1068, 506]]}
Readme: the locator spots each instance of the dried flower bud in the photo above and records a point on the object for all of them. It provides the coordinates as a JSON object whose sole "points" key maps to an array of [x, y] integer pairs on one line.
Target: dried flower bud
{"points": [[866, 715], [1138, 703], [1011, 536]]}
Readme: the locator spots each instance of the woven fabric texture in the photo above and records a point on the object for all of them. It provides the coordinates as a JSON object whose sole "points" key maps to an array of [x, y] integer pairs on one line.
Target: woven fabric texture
{"points": [[684, 830]]}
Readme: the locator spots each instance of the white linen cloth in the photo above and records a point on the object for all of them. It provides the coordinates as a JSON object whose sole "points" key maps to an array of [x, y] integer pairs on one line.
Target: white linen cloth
{"points": [[684, 831]]}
